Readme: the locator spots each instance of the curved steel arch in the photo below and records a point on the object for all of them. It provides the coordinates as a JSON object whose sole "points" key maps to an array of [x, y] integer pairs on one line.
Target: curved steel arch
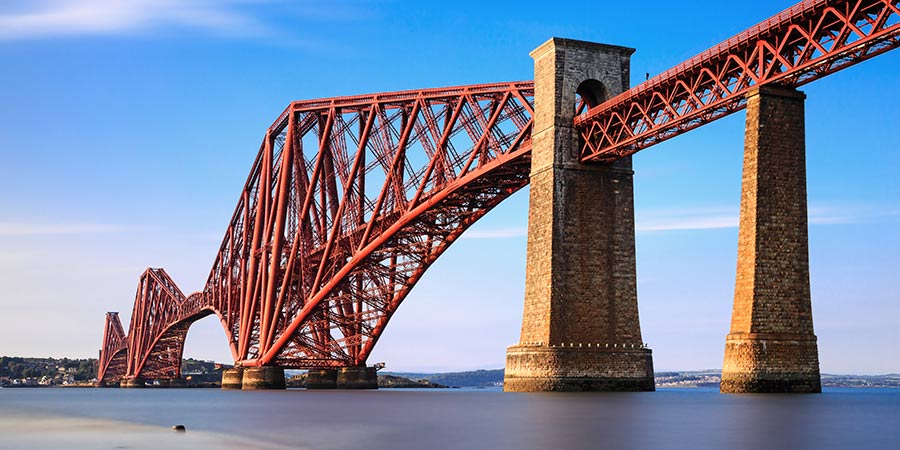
{"points": [[159, 324], [163, 358], [348, 202]]}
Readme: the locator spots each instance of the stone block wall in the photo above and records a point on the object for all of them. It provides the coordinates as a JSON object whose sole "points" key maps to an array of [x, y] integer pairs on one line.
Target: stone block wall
{"points": [[771, 346], [580, 287], [531, 368]]}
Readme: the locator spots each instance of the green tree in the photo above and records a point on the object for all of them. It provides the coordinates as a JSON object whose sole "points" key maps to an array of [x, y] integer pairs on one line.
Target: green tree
{"points": [[16, 369]]}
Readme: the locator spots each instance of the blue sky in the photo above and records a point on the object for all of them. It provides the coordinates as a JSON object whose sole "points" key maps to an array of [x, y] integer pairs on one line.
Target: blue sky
{"points": [[127, 130]]}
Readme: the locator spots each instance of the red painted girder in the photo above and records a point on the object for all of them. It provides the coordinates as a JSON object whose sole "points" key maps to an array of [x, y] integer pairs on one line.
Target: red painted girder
{"points": [[392, 97], [805, 42]]}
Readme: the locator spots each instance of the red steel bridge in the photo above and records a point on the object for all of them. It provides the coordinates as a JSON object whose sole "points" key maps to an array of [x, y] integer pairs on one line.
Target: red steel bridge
{"points": [[351, 199]]}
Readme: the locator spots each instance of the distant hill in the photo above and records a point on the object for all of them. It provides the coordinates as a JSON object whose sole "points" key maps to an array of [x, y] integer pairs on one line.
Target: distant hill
{"points": [[196, 366], [475, 378], [686, 379], [28, 371], [45, 370], [711, 378], [385, 381], [891, 380], [395, 382], [53, 371]]}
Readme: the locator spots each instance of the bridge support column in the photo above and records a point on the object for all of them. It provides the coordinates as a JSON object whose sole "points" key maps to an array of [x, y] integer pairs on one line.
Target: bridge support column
{"points": [[232, 378], [580, 329], [771, 346], [133, 383], [361, 377], [321, 379], [265, 377]]}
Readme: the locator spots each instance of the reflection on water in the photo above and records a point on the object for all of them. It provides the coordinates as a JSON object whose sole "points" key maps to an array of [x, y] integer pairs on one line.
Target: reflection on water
{"points": [[447, 419]]}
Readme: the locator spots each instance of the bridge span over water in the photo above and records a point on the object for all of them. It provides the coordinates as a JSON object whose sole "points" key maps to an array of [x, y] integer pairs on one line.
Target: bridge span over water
{"points": [[351, 199]]}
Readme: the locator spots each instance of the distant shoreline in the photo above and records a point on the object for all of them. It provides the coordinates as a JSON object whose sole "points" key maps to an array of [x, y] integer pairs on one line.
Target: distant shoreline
{"points": [[75, 373]]}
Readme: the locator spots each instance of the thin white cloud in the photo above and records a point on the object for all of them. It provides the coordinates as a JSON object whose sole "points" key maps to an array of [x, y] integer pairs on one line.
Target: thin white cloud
{"points": [[498, 233], [708, 222], [26, 229], [16, 257], [48, 18], [714, 218], [692, 218], [831, 215], [710, 218]]}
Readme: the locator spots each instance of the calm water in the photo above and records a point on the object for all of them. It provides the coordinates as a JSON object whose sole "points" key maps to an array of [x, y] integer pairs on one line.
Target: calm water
{"points": [[446, 419]]}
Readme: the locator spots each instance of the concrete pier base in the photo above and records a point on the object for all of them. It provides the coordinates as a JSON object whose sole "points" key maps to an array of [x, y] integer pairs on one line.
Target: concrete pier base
{"points": [[321, 379], [541, 368], [133, 383], [232, 378], [107, 384], [266, 377], [357, 378]]}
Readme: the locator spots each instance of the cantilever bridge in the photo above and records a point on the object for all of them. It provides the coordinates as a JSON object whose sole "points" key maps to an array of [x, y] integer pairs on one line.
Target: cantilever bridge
{"points": [[351, 199]]}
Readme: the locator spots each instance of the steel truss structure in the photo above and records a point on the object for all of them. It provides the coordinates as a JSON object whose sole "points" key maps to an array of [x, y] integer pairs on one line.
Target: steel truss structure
{"points": [[806, 42], [112, 365], [351, 199], [159, 324]]}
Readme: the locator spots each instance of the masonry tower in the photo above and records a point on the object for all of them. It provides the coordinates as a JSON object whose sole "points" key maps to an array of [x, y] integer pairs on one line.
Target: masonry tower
{"points": [[580, 329], [771, 346]]}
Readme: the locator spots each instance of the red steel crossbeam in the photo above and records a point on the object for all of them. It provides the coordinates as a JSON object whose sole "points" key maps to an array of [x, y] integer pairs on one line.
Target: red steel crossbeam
{"points": [[112, 363], [349, 201], [805, 42]]}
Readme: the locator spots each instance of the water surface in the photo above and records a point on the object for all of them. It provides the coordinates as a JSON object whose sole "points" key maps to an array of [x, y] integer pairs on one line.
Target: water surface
{"points": [[447, 419]]}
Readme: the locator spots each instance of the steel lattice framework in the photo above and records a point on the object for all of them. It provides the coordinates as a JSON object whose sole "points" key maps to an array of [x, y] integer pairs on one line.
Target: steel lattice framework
{"points": [[349, 202], [160, 320], [113, 363], [806, 42], [351, 199]]}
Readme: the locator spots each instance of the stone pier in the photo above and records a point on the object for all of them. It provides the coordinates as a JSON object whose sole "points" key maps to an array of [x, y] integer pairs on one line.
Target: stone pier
{"points": [[265, 377], [771, 346], [232, 378], [321, 379], [357, 378], [133, 383], [580, 329]]}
